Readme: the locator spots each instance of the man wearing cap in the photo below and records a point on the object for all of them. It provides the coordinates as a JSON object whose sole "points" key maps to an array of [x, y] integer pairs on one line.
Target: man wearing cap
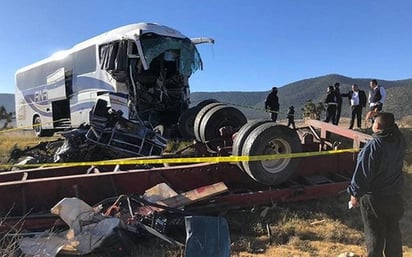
{"points": [[272, 104]]}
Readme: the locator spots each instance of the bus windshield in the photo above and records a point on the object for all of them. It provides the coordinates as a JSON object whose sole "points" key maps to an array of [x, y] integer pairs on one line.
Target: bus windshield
{"points": [[189, 58]]}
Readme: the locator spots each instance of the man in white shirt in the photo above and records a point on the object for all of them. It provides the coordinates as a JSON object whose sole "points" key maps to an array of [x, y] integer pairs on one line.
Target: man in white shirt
{"points": [[357, 100]]}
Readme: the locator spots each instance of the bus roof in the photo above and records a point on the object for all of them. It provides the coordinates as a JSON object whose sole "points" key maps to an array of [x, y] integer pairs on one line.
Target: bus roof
{"points": [[131, 31]]}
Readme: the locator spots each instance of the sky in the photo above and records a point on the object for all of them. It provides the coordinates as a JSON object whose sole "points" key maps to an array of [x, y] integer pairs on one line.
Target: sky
{"points": [[258, 44]]}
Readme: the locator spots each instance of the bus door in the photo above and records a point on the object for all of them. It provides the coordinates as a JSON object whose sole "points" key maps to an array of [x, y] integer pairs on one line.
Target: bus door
{"points": [[58, 84]]}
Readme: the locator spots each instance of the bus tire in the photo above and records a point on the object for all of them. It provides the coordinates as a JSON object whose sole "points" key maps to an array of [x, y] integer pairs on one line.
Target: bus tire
{"points": [[38, 129], [270, 138]]}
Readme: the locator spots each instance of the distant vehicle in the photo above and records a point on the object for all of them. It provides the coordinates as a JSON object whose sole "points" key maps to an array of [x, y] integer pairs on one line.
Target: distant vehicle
{"points": [[140, 69]]}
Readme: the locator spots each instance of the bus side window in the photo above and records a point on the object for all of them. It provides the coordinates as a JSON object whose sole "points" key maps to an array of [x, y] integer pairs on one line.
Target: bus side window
{"points": [[113, 59], [68, 81], [85, 60]]}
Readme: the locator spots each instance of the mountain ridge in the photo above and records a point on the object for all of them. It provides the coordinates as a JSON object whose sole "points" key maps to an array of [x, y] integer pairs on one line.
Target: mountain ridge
{"points": [[296, 93], [299, 92]]}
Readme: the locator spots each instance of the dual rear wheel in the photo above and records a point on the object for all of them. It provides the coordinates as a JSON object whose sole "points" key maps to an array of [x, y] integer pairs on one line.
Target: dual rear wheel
{"points": [[205, 122], [264, 137]]}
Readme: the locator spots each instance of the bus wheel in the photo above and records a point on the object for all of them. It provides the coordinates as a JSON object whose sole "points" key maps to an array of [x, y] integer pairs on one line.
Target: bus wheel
{"points": [[38, 130]]}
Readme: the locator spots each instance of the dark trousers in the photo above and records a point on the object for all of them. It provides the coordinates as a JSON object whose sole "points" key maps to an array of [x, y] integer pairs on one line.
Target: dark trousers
{"points": [[331, 113], [274, 115], [356, 112], [380, 216], [291, 121], [338, 111]]}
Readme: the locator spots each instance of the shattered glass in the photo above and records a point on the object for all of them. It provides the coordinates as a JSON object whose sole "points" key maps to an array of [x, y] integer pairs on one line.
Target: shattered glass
{"points": [[189, 58]]}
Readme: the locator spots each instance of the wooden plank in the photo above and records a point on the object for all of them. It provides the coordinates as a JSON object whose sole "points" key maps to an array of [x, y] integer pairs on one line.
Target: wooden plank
{"points": [[195, 195], [186, 198]]}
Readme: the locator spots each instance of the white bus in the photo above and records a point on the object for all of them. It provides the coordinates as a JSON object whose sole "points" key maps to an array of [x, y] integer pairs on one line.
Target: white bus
{"points": [[141, 69]]}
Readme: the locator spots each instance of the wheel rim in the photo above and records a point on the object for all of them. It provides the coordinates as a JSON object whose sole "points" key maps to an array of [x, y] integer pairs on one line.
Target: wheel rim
{"points": [[241, 135], [271, 139], [276, 146], [37, 126]]}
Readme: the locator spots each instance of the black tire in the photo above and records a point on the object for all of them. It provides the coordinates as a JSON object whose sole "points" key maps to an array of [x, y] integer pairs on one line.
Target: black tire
{"points": [[241, 136], [38, 129], [199, 117], [186, 122], [216, 118], [206, 102], [269, 138]]}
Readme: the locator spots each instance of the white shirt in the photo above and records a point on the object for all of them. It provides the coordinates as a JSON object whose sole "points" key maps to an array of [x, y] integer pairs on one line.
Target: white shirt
{"points": [[355, 98]]}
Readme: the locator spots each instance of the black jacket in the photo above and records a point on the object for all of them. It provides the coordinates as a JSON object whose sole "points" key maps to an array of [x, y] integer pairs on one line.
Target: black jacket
{"points": [[272, 101], [378, 169]]}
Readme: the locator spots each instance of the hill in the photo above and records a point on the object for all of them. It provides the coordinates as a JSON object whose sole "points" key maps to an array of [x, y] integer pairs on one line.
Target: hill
{"points": [[296, 93], [7, 100]]}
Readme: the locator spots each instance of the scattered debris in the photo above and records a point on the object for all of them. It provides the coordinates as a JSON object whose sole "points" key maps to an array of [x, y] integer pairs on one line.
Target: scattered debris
{"points": [[92, 228], [109, 136], [88, 230]]}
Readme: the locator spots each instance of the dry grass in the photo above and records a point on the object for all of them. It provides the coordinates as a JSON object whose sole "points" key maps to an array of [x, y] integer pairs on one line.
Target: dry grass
{"points": [[321, 228], [19, 138]]}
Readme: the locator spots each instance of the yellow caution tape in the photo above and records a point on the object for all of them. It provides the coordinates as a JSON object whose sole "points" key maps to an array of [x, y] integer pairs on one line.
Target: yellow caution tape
{"points": [[216, 159]]}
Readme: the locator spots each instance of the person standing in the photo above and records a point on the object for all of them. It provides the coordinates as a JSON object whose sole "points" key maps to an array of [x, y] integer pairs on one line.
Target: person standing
{"points": [[291, 116], [331, 104], [272, 104], [357, 100], [376, 187], [339, 103], [377, 96]]}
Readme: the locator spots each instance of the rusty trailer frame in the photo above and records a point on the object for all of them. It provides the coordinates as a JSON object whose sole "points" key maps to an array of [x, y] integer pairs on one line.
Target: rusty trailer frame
{"points": [[26, 196]]}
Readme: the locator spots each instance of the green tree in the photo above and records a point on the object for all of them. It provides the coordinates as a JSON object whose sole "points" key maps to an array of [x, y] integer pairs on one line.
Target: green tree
{"points": [[309, 110]]}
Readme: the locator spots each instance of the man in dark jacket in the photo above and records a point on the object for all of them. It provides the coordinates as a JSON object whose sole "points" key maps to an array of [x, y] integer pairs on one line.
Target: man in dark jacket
{"points": [[357, 100], [272, 104], [377, 185], [338, 102], [331, 104]]}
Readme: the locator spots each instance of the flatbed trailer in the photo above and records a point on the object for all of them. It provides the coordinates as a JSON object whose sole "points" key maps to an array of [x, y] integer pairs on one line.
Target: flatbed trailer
{"points": [[29, 194]]}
